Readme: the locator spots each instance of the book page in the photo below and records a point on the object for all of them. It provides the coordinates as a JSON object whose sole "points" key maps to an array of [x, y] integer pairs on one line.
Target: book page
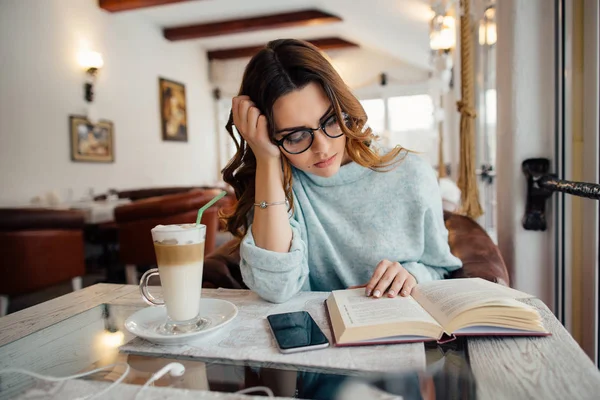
{"points": [[446, 299], [359, 310]]}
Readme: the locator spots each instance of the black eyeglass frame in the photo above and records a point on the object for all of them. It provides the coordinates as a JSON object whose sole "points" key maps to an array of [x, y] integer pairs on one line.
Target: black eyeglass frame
{"points": [[311, 131]]}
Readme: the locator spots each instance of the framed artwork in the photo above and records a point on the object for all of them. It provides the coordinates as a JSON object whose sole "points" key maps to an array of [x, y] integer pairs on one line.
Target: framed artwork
{"points": [[173, 110], [91, 142]]}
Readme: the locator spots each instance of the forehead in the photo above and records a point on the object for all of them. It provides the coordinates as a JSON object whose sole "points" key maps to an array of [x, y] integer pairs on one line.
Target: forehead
{"points": [[303, 107]]}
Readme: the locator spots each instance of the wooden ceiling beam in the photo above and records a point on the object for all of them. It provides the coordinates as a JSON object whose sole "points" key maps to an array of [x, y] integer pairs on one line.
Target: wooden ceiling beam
{"points": [[284, 20], [126, 5], [240, 52]]}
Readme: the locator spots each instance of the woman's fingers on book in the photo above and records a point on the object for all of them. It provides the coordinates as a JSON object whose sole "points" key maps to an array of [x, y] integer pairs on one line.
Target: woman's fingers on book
{"points": [[409, 284], [377, 275], [385, 282], [397, 285], [391, 278]]}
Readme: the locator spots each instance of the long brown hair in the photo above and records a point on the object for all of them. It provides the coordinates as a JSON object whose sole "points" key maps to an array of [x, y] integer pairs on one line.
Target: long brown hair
{"points": [[283, 66]]}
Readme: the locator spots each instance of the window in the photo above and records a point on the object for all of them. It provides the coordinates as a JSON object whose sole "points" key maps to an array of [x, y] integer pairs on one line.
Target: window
{"points": [[408, 122], [375, 109], [490, 106], [406, 113], [410, 113]]}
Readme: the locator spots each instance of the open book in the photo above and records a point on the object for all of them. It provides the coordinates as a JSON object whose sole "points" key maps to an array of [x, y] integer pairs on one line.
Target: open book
{"points": [[471, 306]]}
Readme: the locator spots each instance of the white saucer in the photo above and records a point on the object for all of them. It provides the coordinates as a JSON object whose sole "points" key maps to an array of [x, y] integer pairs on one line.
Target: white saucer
{"points": [[144, 323]]}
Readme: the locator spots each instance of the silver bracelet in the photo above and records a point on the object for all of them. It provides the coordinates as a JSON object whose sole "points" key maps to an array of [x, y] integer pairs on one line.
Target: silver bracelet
{"points": [[264, 204]]}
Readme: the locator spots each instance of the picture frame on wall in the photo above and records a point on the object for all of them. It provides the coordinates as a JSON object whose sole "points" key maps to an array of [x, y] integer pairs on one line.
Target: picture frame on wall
{"points": [[173, 110], [91, 142]]}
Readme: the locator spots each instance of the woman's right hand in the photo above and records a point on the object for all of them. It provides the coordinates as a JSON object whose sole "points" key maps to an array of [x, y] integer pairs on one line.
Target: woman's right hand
{"points": [[252, 126]]}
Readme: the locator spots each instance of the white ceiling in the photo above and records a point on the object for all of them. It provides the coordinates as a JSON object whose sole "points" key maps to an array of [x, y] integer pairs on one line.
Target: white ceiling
{"points": [[399, 28]]}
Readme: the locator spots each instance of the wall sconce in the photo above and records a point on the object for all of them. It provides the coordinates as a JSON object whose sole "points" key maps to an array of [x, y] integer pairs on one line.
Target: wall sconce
{"points": [[91, 62], [442, 36], [487, 27]]}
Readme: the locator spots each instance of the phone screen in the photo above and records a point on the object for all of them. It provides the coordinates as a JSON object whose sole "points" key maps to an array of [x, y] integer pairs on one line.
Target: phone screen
{"points": [[296, 329]]}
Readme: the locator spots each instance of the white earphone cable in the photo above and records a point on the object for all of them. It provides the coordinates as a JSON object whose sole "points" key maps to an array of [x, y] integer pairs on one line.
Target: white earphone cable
{"points": [[66, 378], [265, 389], [175, 369]]}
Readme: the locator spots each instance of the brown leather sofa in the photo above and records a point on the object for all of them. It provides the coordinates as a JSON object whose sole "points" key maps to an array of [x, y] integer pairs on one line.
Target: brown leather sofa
{"points": [[39, 248], [468, 241], [146, 193], [135, 220]]}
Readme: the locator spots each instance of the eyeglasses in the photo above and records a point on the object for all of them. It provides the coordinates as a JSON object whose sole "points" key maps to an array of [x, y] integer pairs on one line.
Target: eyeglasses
{"points": [[299, 141]]}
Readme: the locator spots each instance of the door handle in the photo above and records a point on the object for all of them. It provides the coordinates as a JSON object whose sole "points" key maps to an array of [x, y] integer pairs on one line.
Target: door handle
{"points": [[541, 185]]}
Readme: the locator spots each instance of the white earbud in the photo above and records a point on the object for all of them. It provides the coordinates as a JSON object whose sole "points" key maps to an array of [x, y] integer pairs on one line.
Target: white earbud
{"points": [[174, 368], [177, 369]]}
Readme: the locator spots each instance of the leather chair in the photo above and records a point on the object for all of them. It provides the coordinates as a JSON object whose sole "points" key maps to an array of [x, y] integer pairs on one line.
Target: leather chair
{"points": [[480, 256], [39, 248], [135, 220], [468, 241]]}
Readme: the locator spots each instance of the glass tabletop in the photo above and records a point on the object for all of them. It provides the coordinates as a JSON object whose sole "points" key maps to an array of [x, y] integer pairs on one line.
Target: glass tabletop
{"points": [[91, 340]]}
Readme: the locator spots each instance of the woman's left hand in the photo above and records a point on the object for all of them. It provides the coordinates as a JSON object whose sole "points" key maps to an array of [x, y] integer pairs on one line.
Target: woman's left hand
{"points": [[392, 278]]}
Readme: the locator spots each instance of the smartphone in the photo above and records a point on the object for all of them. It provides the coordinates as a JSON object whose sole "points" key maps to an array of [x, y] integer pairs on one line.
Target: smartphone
{"points": [[296, 332]]}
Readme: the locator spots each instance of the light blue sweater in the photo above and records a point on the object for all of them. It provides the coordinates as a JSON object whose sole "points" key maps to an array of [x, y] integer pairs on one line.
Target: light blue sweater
{"points": [[343, 226]]}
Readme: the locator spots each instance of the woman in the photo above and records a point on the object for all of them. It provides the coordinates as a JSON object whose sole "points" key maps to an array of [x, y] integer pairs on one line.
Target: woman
{"points": [[320, 206]]}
